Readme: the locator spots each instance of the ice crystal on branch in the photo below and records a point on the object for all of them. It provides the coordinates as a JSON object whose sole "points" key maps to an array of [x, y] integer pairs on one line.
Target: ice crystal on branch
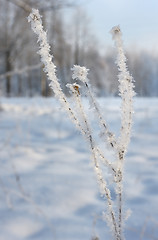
{"points": [[126, 89], [116, 32], [79, 73], [44, 51]]}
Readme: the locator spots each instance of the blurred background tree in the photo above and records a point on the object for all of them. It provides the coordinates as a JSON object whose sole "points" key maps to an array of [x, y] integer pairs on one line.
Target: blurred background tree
{"points": [[72, 41]]}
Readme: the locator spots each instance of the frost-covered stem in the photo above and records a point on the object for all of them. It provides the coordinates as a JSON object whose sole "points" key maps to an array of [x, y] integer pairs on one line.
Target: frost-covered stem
{"points": [[50, 69], [80, 118], [46, 58], [44, 50], [81, 74], [102, 183], [126, 92], [126, 89], [77, 99], [106, 192], [120, 212], [105, 132], [105, 161], [85, 125]]}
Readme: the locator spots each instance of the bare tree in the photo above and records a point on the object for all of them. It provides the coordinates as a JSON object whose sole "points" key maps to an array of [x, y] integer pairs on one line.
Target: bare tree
{"points": [[16, 41]]}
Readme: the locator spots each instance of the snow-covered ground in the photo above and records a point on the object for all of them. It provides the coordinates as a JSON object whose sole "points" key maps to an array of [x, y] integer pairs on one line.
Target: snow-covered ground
{"points": [[48, 188]]}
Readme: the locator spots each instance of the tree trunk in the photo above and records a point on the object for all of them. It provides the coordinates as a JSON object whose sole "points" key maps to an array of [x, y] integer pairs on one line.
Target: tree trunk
{"points": [[30, 85], [8, 69], [19, 86]]}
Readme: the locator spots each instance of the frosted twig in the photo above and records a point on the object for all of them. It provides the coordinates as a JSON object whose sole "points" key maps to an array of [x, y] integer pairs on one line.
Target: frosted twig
{"points": [[106, 192], [50, 68], [46, 58], [77, 99], [81, 74], [102, 183], [36, 24], [105, 161], [126, 89], [126, 92]]}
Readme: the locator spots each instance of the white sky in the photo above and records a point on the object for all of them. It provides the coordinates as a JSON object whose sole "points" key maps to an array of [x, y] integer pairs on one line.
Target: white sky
{"points": [[138, 20]]}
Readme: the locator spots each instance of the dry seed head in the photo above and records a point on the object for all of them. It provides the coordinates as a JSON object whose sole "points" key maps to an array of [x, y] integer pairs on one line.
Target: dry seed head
{"points": [[76, 87], [116, 31], [80, 73]]}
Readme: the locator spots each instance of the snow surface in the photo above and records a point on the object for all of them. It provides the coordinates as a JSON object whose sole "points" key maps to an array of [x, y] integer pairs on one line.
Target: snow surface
{"points": [[48, 188]]}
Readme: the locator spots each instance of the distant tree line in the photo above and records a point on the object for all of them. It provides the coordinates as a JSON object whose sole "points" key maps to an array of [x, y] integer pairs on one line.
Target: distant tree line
{"points": [[72, 42]]}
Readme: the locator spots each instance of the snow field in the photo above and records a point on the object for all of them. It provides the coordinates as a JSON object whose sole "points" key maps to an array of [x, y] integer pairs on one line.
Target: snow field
{"points": [[48, 186]]}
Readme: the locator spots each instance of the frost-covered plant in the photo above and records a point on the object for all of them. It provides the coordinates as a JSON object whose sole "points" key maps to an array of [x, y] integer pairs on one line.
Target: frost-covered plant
{"points": [[115, 217]]}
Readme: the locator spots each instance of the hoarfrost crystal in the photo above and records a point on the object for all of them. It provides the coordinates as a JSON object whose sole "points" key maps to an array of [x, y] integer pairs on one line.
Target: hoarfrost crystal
{"points": [[79, 73]]}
